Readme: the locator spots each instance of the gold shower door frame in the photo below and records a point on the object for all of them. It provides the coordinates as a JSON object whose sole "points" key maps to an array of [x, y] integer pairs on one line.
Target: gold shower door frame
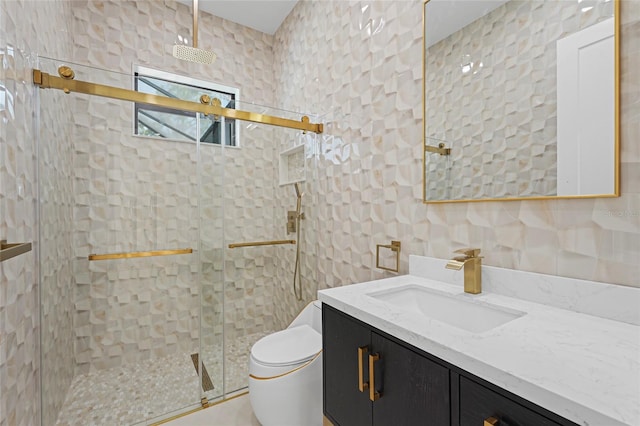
{"points": [[66, 83], [205, 109]]}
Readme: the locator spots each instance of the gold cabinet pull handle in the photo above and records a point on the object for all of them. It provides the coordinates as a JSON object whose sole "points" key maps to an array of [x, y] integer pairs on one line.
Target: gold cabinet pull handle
{"points": [[362, 385], [491, 421], [373, 394]]}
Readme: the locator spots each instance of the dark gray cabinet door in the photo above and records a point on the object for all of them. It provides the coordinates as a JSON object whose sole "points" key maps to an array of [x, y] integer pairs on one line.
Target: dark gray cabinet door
{"points": [[344, 404], [478, 403], [414, 390]]}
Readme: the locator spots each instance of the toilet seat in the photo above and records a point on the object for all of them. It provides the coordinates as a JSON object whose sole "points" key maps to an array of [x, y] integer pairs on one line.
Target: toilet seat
{"points": [[289, 347]]}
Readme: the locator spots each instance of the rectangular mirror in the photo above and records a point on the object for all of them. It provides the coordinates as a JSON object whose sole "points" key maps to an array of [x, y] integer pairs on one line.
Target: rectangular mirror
{"points": [[521, 99]]}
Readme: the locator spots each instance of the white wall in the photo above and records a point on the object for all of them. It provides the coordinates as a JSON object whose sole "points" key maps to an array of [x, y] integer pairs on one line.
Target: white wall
{"points": [[369, 185], [370, 168], [586, 111]]}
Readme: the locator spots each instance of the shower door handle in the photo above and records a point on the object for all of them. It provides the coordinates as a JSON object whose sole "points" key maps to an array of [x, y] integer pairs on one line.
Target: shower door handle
{"points": [[362, 352]]}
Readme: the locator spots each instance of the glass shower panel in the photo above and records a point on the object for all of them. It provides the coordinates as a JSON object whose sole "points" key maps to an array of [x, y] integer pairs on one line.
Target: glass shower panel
{"points": [[258, 280], [138, 317], [212, 252], [129, 333], [56, 254], [300, 168], [145, 307], [249, 194]]}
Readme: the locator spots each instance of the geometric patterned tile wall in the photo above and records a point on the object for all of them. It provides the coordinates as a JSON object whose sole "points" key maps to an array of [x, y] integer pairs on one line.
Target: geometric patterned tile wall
{"points": [[132, 196], [353, 64], [105, 297], [514, 153], [249, 203], [28, 29], [285, 256], [56, 253], [143, 33], [359, 64]]}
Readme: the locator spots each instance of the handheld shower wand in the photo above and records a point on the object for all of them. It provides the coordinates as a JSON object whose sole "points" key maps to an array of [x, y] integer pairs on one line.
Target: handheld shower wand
{"points": [[299, 195]]}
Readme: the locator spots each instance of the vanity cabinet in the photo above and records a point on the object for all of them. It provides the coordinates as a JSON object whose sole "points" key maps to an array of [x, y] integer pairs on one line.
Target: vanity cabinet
{"points": [[478, 403], [410, 387], [343, 402], [371, 379]]}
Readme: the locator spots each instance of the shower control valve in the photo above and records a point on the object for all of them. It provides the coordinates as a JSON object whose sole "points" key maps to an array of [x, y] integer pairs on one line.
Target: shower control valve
{"points": [[291, 221]]}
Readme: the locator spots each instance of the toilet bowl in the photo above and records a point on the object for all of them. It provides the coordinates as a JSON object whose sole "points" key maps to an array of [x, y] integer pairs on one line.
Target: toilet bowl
{"points": [[285, 373]]}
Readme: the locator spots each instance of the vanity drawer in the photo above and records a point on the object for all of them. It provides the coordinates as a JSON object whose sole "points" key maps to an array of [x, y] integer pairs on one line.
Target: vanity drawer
{"points": [[478, 403]]}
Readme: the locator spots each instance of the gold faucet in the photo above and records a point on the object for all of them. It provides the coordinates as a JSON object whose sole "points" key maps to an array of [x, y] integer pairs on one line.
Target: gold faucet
{"points": [[472, 262]]}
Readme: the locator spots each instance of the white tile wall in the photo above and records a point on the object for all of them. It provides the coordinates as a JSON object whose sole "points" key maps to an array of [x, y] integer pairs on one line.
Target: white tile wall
{"points": [[28, 28], [358, 64], [115, 35], [370, 185]]}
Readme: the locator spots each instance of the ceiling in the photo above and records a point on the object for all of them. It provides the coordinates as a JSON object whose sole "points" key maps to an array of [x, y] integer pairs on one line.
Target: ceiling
{"points": [[445, 17], [262, 15]]}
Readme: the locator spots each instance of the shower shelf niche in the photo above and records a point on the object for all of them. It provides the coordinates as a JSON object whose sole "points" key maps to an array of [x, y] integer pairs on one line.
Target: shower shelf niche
{"points": [[292, 165]]}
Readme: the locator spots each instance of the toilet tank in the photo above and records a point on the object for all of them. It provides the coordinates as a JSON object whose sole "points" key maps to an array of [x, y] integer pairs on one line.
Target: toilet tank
{"points": [[311, 315]]}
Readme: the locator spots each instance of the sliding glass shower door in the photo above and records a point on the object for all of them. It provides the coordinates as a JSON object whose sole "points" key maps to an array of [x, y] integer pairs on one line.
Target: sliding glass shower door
{"points": [[124, 303], [259, 250], [149, 307]]}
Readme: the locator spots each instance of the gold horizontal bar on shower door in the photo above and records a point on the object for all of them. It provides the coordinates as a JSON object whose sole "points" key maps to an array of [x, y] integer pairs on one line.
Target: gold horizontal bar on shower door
{"points": [[9, 250], [133, 254], [261, 243], [68, 85], [440, 149]]}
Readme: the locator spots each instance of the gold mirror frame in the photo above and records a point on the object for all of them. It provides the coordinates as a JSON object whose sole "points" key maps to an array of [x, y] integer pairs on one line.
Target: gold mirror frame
{"points": [[616, 192]]}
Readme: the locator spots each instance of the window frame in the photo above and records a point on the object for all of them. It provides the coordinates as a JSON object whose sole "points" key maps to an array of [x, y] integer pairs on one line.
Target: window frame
{"points": [[139, 70]]}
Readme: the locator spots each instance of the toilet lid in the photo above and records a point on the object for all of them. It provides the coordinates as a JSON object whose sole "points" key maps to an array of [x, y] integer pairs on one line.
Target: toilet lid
{"points": [[287, 347]]}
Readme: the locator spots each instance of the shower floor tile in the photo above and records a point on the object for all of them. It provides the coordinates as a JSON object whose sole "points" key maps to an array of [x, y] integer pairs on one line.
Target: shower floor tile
{"points": [[131, 393], [137, 392], [237, 366]]}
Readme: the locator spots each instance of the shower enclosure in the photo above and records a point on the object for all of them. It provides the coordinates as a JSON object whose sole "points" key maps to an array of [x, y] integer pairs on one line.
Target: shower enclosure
{"points": [[145, 310]]}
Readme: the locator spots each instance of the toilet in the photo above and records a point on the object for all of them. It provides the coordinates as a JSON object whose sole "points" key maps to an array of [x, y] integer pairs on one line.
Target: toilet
{"points": [[285, 372]]}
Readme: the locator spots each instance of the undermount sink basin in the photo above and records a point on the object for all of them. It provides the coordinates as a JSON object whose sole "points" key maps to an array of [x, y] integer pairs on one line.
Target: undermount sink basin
{"points": [[452, 309]]}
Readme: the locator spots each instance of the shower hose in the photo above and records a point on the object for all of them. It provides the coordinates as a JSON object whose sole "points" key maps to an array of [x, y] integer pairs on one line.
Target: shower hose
{"points": [[296, 269]]}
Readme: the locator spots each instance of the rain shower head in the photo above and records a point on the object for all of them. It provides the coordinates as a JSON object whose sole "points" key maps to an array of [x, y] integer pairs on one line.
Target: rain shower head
{"points": [[193, 54]]}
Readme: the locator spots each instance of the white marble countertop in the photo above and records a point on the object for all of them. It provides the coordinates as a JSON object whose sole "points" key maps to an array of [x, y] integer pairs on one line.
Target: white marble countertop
{"points": [[582, 367]]}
